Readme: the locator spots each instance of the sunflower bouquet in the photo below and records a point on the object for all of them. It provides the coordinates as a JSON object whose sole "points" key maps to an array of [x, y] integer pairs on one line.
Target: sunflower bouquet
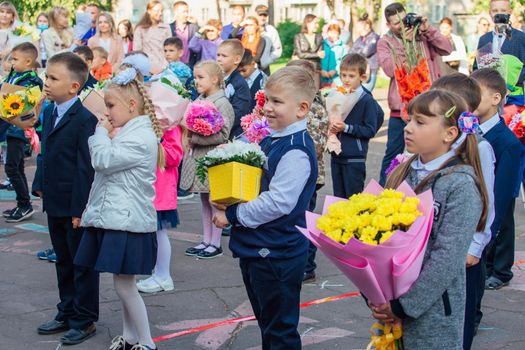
{"points": [[19, 103]]}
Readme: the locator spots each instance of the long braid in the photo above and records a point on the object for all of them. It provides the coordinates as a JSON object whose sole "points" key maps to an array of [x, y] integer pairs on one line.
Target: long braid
{"points": [[150, 111]]}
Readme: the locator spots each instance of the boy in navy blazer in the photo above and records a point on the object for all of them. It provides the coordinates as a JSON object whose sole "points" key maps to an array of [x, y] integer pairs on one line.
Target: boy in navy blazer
{"points": [[229, 56], [359, 126], [507, 149], [255, 78], [63, 180]]}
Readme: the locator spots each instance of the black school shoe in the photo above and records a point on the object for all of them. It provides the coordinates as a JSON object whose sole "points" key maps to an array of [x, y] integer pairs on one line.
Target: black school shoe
{"points": [[52, 327], [309, 277], [203, 254], [20, 214], [77, 336], [192, 251], [7, 213]]}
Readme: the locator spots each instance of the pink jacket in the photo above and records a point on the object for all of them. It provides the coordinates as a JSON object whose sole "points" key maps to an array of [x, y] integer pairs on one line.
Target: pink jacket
{"points": [[166, 185], [151, 41], [434, 44]]}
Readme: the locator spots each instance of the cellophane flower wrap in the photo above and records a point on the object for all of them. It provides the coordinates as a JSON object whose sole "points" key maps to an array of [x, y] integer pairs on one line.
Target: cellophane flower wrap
{"points": [[17, 101], [22, 33], [413, 75], [170, 99], [235, 151], [255, 125], [378, 240], [203, 118], [339, 103]]}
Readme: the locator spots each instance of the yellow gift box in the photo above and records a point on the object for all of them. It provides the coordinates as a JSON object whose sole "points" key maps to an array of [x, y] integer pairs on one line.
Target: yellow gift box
{"points": [[234, 182]]}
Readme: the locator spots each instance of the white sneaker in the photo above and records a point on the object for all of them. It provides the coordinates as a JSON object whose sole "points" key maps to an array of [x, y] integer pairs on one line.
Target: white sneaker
{"points": [[154, 284]]}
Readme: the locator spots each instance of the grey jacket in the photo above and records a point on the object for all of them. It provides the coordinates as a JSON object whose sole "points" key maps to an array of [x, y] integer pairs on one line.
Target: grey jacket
{"points": [[458, 207], [123, 191]]}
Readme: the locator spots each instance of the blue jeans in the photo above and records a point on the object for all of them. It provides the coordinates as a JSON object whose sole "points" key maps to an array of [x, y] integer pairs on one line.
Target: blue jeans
{"points": [[371, 83], [395, 144]]}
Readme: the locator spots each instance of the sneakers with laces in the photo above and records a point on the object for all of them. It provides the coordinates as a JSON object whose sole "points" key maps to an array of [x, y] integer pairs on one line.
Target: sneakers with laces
{"points": [[7, 213], [20, 214], [118, 343], [44, 254], [154, 284]]}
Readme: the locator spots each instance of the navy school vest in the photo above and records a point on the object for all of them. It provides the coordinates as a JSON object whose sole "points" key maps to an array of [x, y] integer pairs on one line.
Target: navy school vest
{"points": [[279, 239]]}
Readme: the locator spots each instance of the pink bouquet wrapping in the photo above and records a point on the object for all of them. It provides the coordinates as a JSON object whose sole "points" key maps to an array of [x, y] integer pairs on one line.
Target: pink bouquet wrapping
{"points": [[170, 104], [381, 272], [203, 118], [255, 125]]}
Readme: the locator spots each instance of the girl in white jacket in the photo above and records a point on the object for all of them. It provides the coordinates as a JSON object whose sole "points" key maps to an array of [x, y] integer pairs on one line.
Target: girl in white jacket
{"points": [[120, 218]]}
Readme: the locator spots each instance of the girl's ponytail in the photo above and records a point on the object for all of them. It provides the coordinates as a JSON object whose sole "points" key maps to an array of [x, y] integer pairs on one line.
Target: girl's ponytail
{"points": [[150, 111]]}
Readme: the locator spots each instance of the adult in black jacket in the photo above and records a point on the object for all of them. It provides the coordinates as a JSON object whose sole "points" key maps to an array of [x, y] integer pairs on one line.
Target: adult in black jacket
{"points": [[308, 44]]}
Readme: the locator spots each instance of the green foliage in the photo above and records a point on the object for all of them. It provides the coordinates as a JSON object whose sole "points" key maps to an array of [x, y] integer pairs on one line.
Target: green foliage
{"points": [[181, 90], [287, 31], [28, 10]]}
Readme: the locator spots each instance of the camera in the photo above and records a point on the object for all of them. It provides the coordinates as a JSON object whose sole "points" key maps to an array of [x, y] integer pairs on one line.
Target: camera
{"points": [[501, 18], [502, 24], [412, 20]]}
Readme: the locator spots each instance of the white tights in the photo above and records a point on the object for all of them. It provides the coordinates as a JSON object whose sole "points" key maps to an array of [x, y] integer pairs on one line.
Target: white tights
{"points": [[162, 267], [134, 314]]}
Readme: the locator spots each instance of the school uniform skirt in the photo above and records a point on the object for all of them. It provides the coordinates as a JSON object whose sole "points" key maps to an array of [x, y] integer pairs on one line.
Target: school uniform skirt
{"points": [[167, 219], [118, 252]]}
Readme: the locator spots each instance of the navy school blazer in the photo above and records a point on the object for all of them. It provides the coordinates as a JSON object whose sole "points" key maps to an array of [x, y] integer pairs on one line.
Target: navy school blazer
{"points": [[64, 173]]}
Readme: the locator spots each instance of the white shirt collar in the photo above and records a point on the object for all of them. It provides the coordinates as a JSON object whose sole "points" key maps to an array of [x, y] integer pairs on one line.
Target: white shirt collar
{"points": [[423, 169], [290, 129], [489, 124], [251, 79]]}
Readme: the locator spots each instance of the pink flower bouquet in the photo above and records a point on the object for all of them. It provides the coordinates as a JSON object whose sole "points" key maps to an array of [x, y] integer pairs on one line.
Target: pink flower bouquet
{"points": [[255, 125], [385, 271], [170, 102], [203, 118]]}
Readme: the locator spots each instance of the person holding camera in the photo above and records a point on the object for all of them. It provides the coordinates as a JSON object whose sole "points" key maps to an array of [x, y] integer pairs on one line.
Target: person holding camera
{"points": [[434, 45]]}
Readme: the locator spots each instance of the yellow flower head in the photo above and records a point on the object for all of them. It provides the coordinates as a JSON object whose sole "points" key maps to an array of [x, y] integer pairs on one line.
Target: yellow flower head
{"points": [[13, 104]]}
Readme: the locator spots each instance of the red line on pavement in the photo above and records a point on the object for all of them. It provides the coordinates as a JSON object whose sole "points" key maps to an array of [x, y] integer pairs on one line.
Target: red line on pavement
{"points": [[248, 318], [252, 317]]}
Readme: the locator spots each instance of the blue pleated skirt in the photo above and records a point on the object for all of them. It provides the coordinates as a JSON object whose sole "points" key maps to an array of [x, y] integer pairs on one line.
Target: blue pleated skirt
{"points": [[167, 219], [118, 252]]}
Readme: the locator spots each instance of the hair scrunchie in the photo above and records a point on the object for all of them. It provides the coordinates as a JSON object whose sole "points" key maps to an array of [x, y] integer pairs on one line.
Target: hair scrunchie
{"points": [[468, 123]]}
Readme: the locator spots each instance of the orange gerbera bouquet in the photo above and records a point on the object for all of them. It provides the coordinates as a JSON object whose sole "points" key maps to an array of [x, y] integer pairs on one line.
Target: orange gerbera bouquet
{"points": [[413, 75]]}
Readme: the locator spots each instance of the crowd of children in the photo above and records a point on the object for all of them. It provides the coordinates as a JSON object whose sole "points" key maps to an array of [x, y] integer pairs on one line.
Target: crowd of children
{"points": [[109, 183]]}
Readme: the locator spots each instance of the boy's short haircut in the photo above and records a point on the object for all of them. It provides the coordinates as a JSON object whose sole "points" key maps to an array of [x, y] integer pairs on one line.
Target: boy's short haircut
{"points": [[174, 41], [462, 85], [247, 59], [294, 79], [75, 66], [27, 49], [354, 61], [84, 51], [306, 65], [491, 79], [234, 45], [99, 50]]}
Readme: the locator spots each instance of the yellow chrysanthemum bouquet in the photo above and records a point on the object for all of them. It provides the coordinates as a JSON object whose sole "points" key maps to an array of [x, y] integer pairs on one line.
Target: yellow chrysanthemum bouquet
{"points": [[20, 105], [378, 240], [370, 218]]}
